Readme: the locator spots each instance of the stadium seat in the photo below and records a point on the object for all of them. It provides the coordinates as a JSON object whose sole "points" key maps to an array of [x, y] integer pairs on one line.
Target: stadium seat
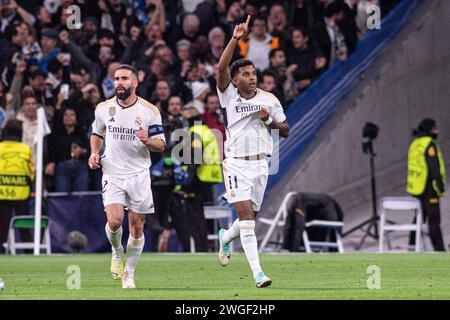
{"points": [[335, 226], [278, 221], [223, 218], [27, 222], [390, 204]]}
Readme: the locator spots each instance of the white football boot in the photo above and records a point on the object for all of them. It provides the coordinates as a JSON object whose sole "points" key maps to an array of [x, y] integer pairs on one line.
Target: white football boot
{"points": [[128, 280]]}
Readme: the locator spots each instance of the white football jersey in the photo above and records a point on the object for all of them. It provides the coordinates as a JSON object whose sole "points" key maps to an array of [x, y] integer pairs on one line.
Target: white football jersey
{"points": [[125, 154], [247, 135]]}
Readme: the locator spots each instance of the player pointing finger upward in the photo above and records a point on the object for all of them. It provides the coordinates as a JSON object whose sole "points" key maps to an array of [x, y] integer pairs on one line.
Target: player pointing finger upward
{"points": [[247, 146]]}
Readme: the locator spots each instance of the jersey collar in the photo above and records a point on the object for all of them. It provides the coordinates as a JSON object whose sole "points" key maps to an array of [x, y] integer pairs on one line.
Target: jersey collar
{"points": [[242, 98], [123, 107]]}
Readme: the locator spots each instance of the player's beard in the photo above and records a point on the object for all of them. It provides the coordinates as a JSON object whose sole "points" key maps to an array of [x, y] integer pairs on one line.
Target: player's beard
{"points": [[124, 94]]}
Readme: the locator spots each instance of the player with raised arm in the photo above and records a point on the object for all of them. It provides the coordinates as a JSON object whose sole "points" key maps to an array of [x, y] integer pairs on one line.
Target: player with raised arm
{"points": [[131, 127], [249, 113]]}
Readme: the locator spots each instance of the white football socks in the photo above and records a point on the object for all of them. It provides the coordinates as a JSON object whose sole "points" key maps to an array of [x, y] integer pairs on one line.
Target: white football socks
{"points": [[250, 245], [114, 237], [232, 233], [134, 250]]}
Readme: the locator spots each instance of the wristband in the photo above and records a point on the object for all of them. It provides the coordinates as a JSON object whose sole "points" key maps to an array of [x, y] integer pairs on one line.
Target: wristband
{"points": [[268, 121], [236, 38]]}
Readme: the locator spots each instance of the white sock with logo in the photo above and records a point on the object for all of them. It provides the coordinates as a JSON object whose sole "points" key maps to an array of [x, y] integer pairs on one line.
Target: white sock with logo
{"points": [[114, 237], [250, 245], [134, 250], [233, 232]]}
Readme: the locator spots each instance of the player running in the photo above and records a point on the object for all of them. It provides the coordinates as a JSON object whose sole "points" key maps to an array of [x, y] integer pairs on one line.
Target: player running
{"points": [[249, 113], [131, 128]]}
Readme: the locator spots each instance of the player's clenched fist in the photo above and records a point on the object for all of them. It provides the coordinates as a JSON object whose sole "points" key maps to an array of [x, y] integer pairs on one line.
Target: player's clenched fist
{"points": [[264, 114], [94, 161], [241, 29], [142, 135]]}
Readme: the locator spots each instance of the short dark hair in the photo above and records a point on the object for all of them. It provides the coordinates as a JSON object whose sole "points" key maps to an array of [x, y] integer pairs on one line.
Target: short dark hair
{"points": [[333, 8], [11, 31], [257, 17], [425, 126], [37, 73], [54, 65], [12, 130], [274, 51], [128, 67], [163, 80], [211, 94], [28, 96], [105, 33], [268, 73], [302, 30], [238, 64], [69, 108]]}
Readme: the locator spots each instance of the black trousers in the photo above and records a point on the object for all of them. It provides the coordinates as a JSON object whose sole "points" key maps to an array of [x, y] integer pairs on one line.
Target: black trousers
{"points": [[160, 220], [6, 213], [196, 217], [431, 211], [180, 220], [188, 219]]}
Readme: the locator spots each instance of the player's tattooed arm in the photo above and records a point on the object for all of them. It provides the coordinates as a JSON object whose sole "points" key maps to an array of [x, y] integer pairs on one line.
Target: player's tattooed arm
{"points": [[283, 127], [223, 77]]}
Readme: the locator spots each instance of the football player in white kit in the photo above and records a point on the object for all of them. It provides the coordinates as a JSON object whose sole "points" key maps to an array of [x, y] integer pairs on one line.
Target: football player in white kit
{"points": [[130, 127], [248, 113]]}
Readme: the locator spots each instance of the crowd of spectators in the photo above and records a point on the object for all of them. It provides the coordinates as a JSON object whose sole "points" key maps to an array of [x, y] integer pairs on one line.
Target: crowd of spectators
{"points": [[52, 58]]}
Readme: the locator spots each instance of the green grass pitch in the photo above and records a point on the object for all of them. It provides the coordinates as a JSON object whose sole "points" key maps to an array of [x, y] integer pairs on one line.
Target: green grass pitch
{"points": [[199, 276]]}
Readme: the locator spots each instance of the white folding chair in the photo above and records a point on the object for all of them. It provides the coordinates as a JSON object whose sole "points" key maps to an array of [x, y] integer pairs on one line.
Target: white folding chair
{"points": [[390, 204], [278, 221], [27, 222], [222, 218], [335, 226]]}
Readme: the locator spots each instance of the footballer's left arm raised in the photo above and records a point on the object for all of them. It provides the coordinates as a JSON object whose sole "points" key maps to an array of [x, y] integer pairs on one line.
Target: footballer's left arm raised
{"points": [[283, 127]]}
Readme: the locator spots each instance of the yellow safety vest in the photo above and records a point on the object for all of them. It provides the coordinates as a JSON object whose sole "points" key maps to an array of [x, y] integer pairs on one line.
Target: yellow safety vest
{"points": [[210, 169], [417, 166], [16, 170]]}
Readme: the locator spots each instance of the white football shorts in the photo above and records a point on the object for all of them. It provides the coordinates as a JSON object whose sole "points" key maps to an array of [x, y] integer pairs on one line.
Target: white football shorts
{"points": [[245, 180], [132, 191]]}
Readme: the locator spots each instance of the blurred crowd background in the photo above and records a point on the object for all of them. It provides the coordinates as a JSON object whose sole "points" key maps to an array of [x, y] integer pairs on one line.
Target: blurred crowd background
{"points": [[52, 58]]}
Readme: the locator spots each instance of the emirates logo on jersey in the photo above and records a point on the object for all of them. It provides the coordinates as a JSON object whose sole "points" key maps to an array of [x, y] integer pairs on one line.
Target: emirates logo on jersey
{"points": [[248, 108], [122, 133]]}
